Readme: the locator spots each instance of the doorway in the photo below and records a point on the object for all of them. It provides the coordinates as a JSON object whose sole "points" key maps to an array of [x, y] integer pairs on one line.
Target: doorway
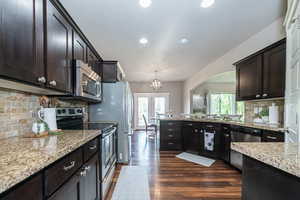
{"points": [[149, 104]]}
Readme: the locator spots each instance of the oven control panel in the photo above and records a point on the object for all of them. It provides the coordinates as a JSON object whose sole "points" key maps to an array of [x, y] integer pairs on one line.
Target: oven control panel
{"points": [[68, 112]]}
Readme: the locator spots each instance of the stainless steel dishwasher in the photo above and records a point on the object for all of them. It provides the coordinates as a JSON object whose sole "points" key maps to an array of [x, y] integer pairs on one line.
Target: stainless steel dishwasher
{"points": [[242, 134]]}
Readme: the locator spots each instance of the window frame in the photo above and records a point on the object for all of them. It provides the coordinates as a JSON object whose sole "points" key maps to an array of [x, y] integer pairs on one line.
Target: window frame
{"points": [[234, 103]]}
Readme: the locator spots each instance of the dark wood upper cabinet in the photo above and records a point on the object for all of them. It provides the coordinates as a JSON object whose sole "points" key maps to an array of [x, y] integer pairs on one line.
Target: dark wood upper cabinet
{"points": [[79, 48], [59, 50], [31, 189], [262, 75], [249, 78], [274, 72], [111, 72], [21, 40], [93, 61]]}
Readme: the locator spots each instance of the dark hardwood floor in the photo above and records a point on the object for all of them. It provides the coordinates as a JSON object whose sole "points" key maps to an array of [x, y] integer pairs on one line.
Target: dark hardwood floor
{"points": [[175, 179]]}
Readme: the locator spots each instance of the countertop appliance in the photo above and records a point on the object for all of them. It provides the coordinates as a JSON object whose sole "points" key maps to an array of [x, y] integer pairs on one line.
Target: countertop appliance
{"points": [[116, 106], [48, 115], [242, 134], [73, 119]]}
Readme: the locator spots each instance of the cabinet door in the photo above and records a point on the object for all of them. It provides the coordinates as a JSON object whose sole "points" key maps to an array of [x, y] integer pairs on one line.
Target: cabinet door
{"points": [[59, 50], [249, 79], [110, 71], [21, 40], [93, 61], [90, 182], [30, 190], [192, 138], [70, 190], [225, 144], [274, 72], [79, 48]]}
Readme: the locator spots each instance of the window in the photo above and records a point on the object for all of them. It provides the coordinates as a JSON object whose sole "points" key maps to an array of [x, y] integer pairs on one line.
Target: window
{"points": [[225, 104]]}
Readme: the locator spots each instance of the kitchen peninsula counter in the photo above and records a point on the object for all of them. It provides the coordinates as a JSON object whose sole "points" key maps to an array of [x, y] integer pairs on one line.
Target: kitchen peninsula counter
{"points": [[283, 156], [271, 171], [243, 124]]}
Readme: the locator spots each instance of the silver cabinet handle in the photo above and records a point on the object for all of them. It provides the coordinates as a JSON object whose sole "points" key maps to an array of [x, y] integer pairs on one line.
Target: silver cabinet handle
{"points": [[273, 138], [257, 96], [52, 83], [196, 130], [170, 135], [42, 80], [171, 143], [93, 147], [72, 164], [190, 124], [226, 135], [83, 173], [170, 129], [265, 95]]}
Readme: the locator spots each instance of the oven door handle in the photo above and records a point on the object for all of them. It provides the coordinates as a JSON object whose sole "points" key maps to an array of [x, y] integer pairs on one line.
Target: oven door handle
{"points": [[109, 133]]}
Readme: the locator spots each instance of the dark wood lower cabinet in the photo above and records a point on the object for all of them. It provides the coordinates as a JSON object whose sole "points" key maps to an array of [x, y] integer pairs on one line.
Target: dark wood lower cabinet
{"points": [[192, 137], [170, 136], [30, 190], [70, 190], [84, 185], [90, 184], [67, 179], [263, 182], [225, 143]]}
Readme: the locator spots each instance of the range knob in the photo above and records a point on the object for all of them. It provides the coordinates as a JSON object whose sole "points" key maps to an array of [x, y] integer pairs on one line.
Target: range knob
{"points": [[79, 110]]}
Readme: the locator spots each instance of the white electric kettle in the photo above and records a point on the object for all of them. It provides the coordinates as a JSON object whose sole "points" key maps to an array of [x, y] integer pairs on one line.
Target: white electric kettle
{"points": [[48, 115]]}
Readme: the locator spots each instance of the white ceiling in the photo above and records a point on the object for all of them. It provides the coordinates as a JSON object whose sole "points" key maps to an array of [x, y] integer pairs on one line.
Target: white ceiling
{"points": [[115, 27]]}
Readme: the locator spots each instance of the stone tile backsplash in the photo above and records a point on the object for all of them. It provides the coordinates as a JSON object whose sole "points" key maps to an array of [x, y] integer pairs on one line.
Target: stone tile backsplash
{"points": [[16, 112], [250, 105]]}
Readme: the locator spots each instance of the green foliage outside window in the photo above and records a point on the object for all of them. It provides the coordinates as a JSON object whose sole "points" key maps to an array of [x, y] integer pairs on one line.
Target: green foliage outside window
{"points": [[225, 104]]}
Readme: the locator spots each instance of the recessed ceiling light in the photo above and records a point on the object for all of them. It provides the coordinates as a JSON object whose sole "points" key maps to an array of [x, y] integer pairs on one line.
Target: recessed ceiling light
{"points": [[183, 40], [207, 3], [145, 3], [144, 41]]}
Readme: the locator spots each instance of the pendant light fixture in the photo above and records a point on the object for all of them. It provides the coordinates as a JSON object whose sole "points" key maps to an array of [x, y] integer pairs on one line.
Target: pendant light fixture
{"points": [[156, 84]]}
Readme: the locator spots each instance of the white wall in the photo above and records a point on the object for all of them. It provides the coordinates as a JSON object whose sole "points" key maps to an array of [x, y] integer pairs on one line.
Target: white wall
{"points": [[266, 37], [215, 88], [174, 88]]}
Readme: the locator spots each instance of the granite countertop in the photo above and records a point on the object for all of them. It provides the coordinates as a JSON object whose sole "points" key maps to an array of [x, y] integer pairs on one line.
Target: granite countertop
{"points": [[22, 157], [244, 124], [283, 156]]}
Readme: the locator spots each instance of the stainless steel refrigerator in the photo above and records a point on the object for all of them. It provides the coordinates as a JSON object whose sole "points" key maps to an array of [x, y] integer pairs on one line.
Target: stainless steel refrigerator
{"points": [[116, 106]]}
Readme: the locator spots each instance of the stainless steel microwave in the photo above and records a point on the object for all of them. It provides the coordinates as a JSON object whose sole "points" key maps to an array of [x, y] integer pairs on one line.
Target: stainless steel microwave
{"points": [[87, 83]]}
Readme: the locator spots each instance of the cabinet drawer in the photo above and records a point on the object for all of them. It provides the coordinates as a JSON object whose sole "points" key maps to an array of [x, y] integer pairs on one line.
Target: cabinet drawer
{"points": [[269, 136], [169, 145], [57, 174], [90, 149], [171, 135], [170, 124]]}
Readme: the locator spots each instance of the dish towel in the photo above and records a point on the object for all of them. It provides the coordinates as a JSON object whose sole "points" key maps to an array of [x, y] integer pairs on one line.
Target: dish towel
{"points": [[209, 141]]}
